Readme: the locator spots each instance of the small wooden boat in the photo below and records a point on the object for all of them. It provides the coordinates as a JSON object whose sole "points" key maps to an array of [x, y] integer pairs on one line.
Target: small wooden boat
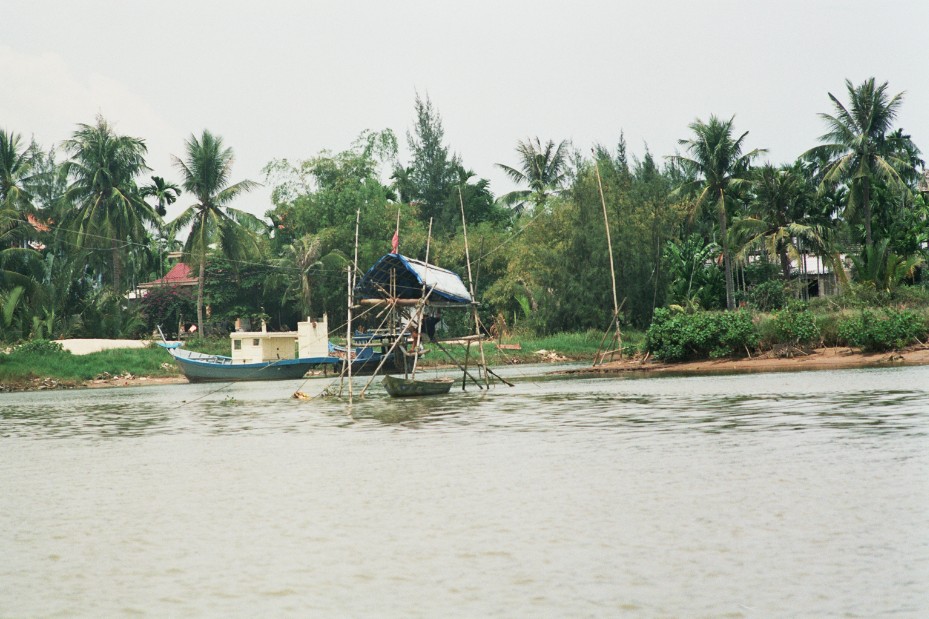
{"points": [[408, 388]]}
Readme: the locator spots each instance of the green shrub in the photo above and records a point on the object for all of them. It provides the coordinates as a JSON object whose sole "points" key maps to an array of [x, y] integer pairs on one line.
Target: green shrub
{"points": [[679, 336], [38, 347], [881, 331], [796, 326], [768, 296], [828, 325]]}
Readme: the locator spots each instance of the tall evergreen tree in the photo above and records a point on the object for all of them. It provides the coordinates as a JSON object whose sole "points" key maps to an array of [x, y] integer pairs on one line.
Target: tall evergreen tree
{"points": [[432, 170]]}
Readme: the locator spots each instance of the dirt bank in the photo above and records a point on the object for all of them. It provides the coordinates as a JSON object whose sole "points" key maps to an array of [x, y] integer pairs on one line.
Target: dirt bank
{"points": [[819, 359], [47, 383]]}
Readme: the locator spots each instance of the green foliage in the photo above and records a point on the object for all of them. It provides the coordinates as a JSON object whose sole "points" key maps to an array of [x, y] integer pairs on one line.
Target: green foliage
{"points": [[432, 171], [241, 291], [206, 172], [39, 347], [768, 296], [675, 336], [166, 306], [717, 170], [105, 313], [542, 168], [675, 229], [882, 330], [881, 268], [695, 278], [110, 208], [828, 325], [796, 326], [857, 147], [25, 363]]}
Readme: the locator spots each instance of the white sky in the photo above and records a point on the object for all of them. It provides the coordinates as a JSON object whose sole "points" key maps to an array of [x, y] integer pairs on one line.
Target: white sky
{"points": [[280, 78]]}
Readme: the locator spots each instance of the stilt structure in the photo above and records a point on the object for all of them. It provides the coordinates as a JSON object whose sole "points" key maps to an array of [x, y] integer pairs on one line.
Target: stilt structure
{"points": [[477, 318], [616, 342]]}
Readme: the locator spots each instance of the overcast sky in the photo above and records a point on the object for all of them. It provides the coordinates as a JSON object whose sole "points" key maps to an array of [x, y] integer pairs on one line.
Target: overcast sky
{"points": [[288, 79]]}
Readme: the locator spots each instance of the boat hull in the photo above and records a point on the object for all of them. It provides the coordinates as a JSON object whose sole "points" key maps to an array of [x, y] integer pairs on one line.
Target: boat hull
{"points": [[408, 388], [200, 368]]}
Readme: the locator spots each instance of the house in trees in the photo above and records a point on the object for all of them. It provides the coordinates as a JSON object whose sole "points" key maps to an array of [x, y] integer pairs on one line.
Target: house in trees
{"points": [[179, 276]]}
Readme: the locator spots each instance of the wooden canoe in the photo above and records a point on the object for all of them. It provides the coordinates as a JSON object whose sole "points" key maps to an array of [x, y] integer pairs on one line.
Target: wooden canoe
{"points": [[406, 388]]}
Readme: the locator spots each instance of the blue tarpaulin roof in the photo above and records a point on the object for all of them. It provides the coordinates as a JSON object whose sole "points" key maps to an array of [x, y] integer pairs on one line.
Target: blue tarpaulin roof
{"points": [[412, 276]]}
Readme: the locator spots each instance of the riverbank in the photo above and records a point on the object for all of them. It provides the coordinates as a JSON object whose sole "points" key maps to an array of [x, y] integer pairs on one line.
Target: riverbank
{"points": [[125, 380], [818, 359], [126, 368]]}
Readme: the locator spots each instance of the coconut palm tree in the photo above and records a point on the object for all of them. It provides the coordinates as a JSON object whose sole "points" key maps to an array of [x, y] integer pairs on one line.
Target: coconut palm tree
{"points": [[205, 172], [716, 167], [110, 212], [857, 145], [15, 168], [779, 216], [301, 263], [542, 168], [165, 193]]}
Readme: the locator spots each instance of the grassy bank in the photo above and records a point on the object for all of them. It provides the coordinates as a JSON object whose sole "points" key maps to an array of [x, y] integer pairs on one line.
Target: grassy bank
{"points": [[36, 361]]}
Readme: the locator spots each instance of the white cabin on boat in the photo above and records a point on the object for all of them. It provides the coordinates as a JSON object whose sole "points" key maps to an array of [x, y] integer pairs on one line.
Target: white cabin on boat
{"points": [[311, 339]]}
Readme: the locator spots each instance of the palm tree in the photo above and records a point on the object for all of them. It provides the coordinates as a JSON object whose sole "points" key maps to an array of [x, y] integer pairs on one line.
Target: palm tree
{"points": [[542, 168], [882, 268], [110, 212], [779, 215], [857, 146], [304, 258], [717, 167], [165, 193], [15, 256], [205, 173], [15, 168]]}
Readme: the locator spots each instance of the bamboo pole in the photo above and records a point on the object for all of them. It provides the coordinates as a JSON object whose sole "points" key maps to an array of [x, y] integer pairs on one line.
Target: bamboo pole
{"points": [[477, 319], [465, 369], [355, 265], [348, 336], [419, 322], [460, 367], [392, 348], [609, 244]]}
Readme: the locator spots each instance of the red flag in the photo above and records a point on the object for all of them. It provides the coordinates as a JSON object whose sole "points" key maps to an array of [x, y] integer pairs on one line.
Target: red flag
{"points": [[395, 243]]}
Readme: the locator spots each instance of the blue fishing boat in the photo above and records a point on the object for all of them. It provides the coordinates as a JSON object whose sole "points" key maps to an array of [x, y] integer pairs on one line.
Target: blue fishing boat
{"points": [[261, 355], [201, 367]]}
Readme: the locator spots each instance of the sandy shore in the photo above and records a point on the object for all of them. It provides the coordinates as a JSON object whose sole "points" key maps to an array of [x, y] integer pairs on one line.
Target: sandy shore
{"points": [[819, 359]]}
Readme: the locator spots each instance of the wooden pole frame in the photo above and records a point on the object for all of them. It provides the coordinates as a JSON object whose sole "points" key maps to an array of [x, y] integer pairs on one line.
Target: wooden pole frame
{"points": [[609, 244], [477, 319]]}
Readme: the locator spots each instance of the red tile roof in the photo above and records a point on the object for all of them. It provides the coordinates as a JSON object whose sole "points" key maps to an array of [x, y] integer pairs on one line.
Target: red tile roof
{"points": [[179, 275]]}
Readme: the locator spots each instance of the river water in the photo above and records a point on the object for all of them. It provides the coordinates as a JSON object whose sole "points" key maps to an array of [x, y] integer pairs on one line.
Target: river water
{"points": [[794, 494]]}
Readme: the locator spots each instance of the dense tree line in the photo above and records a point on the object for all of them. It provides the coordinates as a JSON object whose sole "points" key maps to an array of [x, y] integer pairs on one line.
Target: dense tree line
{"points": [[707, 227]]}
